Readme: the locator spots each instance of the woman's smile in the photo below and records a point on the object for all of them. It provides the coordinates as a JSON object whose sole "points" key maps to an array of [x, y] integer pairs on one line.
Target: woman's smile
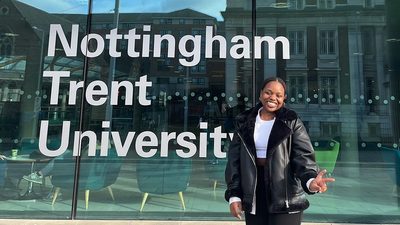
{"points": [[272, 96]]}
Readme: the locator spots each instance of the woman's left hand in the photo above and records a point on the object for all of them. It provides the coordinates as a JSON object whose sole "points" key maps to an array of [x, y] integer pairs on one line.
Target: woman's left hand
{"points": [[319, 183]]}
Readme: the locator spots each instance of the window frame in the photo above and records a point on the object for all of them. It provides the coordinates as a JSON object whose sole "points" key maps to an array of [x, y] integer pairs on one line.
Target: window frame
{"points": [[330, 125], [298, 4], [324, 4], [335, 42], [329, 101], [296, 40], [298, 75]]}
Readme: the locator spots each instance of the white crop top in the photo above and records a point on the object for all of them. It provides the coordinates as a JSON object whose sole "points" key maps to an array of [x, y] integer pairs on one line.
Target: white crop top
{"points": [[262, 130]]}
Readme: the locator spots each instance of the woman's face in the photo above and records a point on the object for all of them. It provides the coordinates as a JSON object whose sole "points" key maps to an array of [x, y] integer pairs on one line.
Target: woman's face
{"points": [[272, 96]]}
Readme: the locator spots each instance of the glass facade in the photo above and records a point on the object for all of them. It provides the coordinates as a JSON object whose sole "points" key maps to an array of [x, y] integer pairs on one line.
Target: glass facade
{"points": [[146, 92]]}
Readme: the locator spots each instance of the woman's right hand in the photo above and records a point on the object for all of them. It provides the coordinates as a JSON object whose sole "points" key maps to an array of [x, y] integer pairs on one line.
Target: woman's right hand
{"points": [[319, 183], [236, 209]]}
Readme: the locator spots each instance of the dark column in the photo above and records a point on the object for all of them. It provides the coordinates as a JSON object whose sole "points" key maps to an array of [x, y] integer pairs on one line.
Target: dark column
{"points": [[393, 49], [30, 101], [312, 63]]}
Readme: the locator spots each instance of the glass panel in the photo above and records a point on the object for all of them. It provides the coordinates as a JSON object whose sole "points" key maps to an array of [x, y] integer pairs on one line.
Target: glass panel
{"points": [[349, 100], [28, 117], [181, 86], [30, 178], [162, 92]]}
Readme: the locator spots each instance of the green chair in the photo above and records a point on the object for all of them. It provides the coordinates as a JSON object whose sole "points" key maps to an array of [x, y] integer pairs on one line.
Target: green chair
{"points": [[326, 155], [96, 173], [163, 175], [215, 167]]}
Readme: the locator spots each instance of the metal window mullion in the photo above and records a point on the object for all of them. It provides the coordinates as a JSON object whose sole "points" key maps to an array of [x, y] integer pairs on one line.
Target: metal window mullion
{"points": [[253, 60], [81, 120]]}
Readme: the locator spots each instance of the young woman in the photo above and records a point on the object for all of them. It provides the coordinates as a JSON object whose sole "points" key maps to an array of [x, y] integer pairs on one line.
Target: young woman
{"points": [[271, 162]]}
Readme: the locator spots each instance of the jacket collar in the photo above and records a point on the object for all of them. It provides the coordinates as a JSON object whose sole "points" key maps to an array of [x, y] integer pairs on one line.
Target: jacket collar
{"points": [[245, 126]]}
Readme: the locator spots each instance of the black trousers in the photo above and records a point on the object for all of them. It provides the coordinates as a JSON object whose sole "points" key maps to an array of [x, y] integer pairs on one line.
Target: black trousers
{"points": [[262, 216]]}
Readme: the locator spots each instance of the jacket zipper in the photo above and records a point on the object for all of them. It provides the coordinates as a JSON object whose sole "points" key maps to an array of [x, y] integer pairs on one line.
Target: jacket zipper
{"points": [[254, 163], [286, 174]]}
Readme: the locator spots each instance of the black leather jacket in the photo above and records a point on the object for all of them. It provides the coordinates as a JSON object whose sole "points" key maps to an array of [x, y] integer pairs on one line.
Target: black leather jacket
{"points": [[290, 157]]}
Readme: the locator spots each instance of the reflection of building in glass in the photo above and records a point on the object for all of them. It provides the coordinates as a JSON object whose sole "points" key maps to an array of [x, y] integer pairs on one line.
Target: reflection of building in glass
{"points": [[22, 34], [342, 79], [171, 82], [335, 70], [336, 74]]}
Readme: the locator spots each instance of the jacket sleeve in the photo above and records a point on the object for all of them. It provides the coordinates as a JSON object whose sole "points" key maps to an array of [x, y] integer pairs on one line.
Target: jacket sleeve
{"points": [[232, 171], [302, 155]]}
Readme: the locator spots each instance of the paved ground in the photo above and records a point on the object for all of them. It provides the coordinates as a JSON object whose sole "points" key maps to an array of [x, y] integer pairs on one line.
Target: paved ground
{"points": [[124, 222]]}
